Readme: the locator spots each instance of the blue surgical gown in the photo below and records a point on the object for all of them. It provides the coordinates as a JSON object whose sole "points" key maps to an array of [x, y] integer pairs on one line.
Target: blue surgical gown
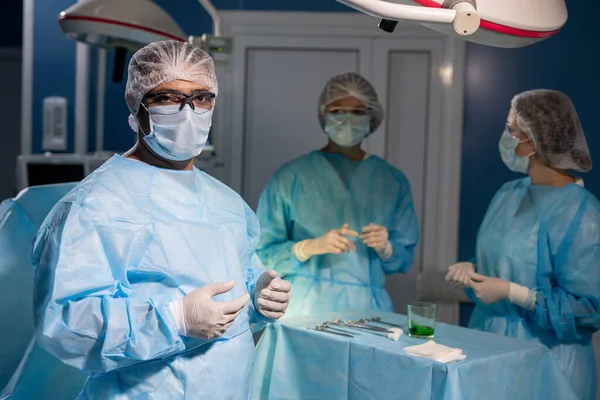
{"points": [[547, 239], [110, 257], [318, 192]]}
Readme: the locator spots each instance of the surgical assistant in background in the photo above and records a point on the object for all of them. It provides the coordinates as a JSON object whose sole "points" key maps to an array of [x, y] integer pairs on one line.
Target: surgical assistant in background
{"points": [[146, 273], [536, 274], [336, 221]]}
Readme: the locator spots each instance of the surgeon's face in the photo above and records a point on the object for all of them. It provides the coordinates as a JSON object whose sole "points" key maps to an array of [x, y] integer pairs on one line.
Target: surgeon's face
{"points": [[169, 93], [526, 147], [347, 104]]}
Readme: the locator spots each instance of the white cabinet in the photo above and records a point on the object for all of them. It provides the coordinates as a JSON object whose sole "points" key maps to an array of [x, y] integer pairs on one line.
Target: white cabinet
{"points": [[280, 64]]}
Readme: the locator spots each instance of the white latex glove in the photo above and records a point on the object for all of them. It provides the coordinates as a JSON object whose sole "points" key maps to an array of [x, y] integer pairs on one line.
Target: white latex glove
{"points": [[487, 289], [458, 274], [207, 319], [333, 242], [272, 295], [376, 237]]}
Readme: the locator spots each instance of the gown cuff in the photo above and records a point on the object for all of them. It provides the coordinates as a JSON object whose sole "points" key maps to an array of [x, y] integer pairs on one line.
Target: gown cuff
{"points": [[176, 308], [387, 252], [298, 251], [521, 296]]}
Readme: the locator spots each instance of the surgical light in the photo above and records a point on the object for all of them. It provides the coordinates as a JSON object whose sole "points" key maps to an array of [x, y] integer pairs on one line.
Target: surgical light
{"points": [[497, 23]]}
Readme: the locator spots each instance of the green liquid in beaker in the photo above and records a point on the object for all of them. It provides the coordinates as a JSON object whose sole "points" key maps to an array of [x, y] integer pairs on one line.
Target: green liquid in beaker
{"points": [[420, 331]]}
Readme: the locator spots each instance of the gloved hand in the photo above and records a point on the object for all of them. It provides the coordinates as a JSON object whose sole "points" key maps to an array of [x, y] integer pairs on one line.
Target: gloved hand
{"points": [[487, 289], [375, 237], [272, 295], [207, 319], [333, 242], [458, 274]]}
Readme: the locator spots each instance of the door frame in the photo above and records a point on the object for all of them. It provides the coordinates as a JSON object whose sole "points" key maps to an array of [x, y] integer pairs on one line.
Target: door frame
{"points": [[250, 29]]}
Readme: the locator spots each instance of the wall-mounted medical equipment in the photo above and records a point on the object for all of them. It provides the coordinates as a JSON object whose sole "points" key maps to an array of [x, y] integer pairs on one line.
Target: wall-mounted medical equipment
{"points": [[44, 169], [505, 23], [55, 124]]}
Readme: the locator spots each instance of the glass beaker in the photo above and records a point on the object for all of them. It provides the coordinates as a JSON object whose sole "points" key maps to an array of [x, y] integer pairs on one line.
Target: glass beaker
{"points": [[421, 319]]}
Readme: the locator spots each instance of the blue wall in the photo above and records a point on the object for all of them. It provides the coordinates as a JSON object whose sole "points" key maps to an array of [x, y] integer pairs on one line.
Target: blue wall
{"points": [[493, 77]]}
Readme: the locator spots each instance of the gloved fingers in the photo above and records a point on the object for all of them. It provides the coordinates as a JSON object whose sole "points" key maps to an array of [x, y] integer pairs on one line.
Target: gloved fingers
{"points": [[206, 335], [460, 275], [466, 276], [347, 243], [373, 228], [336, 249], [375, 241], [227, 326], [274, 295], [279, 285], [466, 280], [229, 318], [347, 232], [271, 305], [234, 306], [476, 277], [366, 236], [218, 288], [379, 236], [341, 246], [271, 273], [271, 314], [450, 275], [477, 286]]}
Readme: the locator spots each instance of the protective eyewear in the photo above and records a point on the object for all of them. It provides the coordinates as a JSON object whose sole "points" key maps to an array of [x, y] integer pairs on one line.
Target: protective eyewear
{"points": [[201, 99]]}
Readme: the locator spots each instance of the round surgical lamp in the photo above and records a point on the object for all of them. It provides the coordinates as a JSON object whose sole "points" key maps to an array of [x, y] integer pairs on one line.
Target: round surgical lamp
{"points": [[497, 23], [120, 25]]}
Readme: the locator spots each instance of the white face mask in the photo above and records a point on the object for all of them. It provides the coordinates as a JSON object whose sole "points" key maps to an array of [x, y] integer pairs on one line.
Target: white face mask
{"points": [[178, 135], [508, 144], [346, 129]]}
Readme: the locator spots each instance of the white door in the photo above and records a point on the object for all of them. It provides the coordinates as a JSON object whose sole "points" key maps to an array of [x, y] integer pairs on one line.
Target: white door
{"points": [[276, 102]]}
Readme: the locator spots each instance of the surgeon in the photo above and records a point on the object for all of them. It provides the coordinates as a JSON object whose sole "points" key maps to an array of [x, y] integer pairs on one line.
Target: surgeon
{"points": [[146, 272], [336, 221], [536, 274]]}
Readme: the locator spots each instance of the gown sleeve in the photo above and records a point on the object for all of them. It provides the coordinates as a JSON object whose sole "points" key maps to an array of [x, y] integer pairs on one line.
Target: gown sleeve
{"points": [[403, 232], [275, 246], [570, 307], [83, 313], [255, 269]]}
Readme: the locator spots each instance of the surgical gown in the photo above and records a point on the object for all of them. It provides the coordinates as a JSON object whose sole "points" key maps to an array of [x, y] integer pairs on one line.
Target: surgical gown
{"points": [[547, 239], [318, 192], [112, 255]]}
